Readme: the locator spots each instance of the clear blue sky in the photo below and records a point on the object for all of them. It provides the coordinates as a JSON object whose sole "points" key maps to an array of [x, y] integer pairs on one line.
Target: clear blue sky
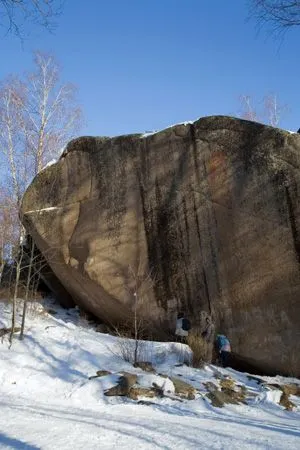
{"points": [[146, 64]]}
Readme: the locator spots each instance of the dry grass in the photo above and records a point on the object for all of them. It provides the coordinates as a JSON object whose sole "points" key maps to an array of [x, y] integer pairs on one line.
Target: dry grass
{"points": [[292, 363], [200, 348], [6, 293]]}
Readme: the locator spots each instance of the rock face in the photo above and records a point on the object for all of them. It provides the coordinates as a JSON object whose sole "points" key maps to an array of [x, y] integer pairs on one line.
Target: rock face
{"points": [[203, 217]]}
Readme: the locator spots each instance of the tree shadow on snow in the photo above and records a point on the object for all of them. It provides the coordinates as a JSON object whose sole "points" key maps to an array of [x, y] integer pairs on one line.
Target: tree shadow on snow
{"points": [[15, 443], [132, 428], [56, 367]]}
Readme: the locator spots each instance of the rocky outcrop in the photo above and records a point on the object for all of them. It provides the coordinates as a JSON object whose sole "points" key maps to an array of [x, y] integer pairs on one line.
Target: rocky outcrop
{"points": [[201, 216], [220, 397], [124, 383], [183, 389]]}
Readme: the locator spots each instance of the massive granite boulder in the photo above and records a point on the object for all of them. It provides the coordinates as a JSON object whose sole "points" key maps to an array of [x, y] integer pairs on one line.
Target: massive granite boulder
{"points": [[202, 216]]}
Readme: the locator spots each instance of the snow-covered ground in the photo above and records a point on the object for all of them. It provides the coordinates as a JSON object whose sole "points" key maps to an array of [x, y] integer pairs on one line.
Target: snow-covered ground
{"points": [[48, 401]]}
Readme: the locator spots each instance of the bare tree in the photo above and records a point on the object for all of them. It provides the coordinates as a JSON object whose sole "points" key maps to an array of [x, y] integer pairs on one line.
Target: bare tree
{"points": [[269, 110], [247, 110], [274, 111], [15, 14], [6, 230], [136, 324], [141, 283], [51, 115], [34, 265], [12, 181], [18, 268], [38, 116], [30, 269], [280, 15]]}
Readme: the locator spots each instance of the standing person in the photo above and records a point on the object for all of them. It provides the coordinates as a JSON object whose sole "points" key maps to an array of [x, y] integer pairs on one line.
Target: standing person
{"points": [[224, 349], [208, 335], [183, 326]]}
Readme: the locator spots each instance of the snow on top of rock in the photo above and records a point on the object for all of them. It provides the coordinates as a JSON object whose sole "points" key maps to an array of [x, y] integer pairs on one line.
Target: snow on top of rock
{"points": [[149, 380], [151, 133], [292, 132], [50, 163], [110, 381]]}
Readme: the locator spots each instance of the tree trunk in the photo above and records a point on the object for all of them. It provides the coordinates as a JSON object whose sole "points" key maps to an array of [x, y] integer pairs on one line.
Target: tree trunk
{"points": [[30, 268], [15, 296]]}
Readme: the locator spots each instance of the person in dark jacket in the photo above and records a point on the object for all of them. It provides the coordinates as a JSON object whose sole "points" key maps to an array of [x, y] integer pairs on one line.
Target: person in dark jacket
{"points": [[182, 328]]}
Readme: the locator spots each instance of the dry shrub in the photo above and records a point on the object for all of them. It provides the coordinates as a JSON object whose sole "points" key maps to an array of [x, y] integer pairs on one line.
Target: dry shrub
{"points": [[200, 348], [5, 294], [129, 349], [132, 351]]}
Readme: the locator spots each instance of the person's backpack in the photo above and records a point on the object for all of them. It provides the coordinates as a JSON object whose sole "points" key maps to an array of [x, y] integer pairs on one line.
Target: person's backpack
{"points": [[186, 324], [222, 341]]}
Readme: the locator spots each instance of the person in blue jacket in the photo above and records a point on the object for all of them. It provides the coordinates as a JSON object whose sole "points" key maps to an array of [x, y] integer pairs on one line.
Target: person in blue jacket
{"points": [[224, 348]]}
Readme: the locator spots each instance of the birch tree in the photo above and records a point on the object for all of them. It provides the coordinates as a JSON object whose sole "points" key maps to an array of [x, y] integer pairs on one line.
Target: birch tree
{"points": [[274, 110], [6, 230], [269, 110], [51, 115], [247, 110], [38, 116]]}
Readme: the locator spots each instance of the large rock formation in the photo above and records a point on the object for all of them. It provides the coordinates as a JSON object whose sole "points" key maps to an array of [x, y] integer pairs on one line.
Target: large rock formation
{"points": [[201, 216]]}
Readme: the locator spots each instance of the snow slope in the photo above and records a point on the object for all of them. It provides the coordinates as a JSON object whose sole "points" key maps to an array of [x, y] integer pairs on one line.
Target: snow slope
{"points": [[48, 402]]}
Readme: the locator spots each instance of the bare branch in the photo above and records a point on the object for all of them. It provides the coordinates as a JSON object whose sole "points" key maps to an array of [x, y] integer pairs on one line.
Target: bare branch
{"points": [[279, 15], [15, 14]]}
